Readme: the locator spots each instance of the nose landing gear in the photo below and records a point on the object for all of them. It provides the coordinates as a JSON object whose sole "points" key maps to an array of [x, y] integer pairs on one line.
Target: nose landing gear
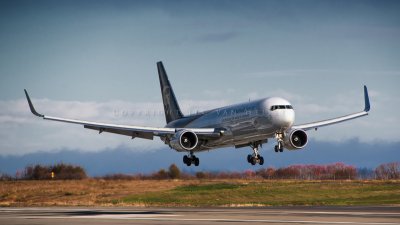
{"points": [[255, 157], [279, 146]]}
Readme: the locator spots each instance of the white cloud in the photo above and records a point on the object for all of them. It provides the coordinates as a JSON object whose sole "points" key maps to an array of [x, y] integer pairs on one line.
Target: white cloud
{"points": [[22, 132]]}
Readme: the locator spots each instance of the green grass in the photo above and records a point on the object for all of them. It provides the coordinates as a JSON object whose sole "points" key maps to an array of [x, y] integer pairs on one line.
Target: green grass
{"points": [[273, 193]]}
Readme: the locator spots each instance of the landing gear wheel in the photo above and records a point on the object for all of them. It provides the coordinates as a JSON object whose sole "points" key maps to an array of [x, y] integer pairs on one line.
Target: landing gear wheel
{"points": [[261, 160], [279, 147], [191, 159], [253, 161], [255, 157], [186, 159], [249, 158]]}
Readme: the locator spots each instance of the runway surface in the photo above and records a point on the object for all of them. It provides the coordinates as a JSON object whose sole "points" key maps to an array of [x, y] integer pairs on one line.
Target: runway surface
{"points": [[268, 215]]}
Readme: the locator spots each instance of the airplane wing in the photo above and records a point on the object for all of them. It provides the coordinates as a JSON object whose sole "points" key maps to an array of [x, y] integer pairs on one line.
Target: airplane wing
{"points": [[315, 125], [132, 131]]}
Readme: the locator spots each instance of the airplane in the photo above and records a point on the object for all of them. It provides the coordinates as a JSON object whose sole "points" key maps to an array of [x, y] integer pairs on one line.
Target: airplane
{"points": [[241, 125]]}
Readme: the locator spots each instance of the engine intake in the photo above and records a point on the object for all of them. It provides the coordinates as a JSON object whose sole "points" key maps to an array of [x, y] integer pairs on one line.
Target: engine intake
{"points": [[295, 140], [184, 141]]}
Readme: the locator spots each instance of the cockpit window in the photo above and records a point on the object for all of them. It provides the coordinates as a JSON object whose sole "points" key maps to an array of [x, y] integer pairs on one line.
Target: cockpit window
{"points": [[274, 107]]}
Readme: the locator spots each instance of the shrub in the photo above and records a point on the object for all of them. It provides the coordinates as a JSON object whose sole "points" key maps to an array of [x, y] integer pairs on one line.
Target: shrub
{"points": [[174, 172], [61, 172], [388, 171]]}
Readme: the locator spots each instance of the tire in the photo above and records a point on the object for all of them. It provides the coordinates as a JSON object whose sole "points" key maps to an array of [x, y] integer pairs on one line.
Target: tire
{"points": [[261, 161], [185, 159], [249, 158], [276, 148], [253, 161], [196, 161], [281, 149], [189, 163]]}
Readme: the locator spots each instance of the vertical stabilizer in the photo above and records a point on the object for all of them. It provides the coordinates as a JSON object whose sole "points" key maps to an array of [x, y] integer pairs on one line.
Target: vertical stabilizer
{"points": [[171, 106]]}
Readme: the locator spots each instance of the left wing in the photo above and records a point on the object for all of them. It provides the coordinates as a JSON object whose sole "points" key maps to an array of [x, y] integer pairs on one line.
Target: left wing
{"points": [[132, 131], [315, 125]]}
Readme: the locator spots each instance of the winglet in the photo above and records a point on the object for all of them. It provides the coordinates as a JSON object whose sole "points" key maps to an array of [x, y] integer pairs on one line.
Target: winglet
{"points": [[366, 99], [31, 105]]}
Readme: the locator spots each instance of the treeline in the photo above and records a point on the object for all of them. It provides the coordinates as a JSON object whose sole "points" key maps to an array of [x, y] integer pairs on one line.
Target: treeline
{"points": [[60, 171], [336, 171]]}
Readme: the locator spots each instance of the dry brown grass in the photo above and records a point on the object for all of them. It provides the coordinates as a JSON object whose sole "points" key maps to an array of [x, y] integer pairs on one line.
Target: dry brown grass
{"points": [[87, 192], [97, 192]]}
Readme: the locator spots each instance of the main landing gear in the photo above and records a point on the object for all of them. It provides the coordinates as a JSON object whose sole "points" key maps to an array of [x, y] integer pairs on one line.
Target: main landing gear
{"points": [[279, 146], [255, 157], [191, 158]]}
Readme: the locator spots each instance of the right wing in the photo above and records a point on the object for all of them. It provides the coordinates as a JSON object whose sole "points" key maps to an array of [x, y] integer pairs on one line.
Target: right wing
{"points": [[315, 125], [132, 131]]}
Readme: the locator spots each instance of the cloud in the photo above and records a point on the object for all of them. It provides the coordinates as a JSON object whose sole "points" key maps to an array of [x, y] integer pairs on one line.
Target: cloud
{"points": [[22, 132]]}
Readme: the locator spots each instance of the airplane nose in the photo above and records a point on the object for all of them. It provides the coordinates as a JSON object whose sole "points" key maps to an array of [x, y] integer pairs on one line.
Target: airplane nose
{"points": [[285, 119]]}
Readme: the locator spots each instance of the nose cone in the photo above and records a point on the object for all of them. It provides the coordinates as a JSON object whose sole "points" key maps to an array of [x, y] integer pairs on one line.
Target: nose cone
{"points": [[285, 118], [281, 112]]}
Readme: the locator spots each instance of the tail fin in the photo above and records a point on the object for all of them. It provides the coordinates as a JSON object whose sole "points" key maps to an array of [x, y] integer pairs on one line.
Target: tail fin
{"points": [[171, 106]]}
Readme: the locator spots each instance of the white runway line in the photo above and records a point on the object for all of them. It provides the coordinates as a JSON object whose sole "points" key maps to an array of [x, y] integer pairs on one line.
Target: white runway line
{"points": [[334, 213], [145, 217], [162, 215]]}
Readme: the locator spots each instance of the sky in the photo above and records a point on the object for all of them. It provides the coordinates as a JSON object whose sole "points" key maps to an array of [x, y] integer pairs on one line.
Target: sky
{"points": [[96, 60]]}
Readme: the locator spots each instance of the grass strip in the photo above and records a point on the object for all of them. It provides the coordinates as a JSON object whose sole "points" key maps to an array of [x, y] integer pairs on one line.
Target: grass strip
{"points": [[273, 193]]}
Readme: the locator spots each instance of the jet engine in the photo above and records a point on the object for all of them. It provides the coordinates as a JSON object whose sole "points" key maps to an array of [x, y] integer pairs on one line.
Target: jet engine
{"points": [[184, 140], [295, 140]]}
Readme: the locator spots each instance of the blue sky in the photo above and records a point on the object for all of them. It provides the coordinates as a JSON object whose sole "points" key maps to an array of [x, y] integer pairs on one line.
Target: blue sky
{"points": [[96, 60]]}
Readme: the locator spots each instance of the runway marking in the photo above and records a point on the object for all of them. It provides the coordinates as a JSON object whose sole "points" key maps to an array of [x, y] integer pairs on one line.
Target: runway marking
{"points": [[334, 213], [355, 213], [163, 215], [145, 217]]}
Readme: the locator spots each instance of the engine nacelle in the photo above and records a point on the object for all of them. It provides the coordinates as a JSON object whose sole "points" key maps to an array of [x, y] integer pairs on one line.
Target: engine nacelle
{"points": [[184, 140], [295, 140]]}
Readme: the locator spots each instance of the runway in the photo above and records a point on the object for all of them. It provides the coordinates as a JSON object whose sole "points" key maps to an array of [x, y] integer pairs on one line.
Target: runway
{"points": [[268, 215]]}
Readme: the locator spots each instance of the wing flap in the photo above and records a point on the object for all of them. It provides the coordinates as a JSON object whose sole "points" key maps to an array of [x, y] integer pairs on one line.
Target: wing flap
{"points": [[130, 133]]}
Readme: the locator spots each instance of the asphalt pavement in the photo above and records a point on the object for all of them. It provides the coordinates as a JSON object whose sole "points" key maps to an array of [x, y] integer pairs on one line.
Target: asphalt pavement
{"points": [[193, 216]]}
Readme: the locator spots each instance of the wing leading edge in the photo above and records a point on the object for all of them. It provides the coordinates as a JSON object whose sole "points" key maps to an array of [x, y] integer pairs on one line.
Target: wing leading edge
{"points": [[315, 125], [132, 131]]}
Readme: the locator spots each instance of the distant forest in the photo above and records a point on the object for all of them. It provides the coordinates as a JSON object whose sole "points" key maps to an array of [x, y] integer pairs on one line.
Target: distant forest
{"points": [[336, 171]]}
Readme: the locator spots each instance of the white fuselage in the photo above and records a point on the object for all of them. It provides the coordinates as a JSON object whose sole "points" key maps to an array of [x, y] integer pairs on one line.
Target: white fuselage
{"points": [[242, 123]]}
